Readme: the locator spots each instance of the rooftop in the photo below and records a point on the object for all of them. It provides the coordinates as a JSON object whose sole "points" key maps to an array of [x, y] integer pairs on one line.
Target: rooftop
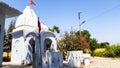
{"points": [[9, 11]]}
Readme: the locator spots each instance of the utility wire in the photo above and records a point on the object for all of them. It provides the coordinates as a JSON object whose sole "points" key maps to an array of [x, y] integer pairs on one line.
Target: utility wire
{"points": [[105, 12]]}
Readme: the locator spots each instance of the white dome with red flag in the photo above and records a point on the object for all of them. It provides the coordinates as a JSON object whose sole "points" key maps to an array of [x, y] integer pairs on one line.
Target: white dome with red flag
{"points": [[29, 21]]}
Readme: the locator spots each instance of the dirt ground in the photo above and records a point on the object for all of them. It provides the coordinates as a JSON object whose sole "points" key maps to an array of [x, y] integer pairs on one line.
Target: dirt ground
{"points": [[11, 65], [95, 62], [100, 62]]}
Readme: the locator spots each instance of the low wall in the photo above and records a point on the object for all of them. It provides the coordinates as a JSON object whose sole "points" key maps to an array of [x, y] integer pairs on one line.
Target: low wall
{"points": [[52, 60], [75, 58]]}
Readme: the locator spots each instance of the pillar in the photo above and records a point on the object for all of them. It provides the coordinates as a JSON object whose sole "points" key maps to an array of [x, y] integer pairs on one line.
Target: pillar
{"points": [[2, 22]]}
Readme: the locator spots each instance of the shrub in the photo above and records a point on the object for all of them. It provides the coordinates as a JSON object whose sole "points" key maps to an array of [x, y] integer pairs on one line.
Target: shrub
{"points": [[113, 51], [100, 54], [6, 56], [110, 51], [99, 50]]}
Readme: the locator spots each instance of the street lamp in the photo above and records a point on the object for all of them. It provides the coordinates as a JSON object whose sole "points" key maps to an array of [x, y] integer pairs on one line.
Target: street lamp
{"points": [[81, 25]]}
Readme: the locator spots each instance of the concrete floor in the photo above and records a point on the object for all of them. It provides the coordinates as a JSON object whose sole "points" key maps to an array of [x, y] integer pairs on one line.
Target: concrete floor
{"points": [[95, 62]]}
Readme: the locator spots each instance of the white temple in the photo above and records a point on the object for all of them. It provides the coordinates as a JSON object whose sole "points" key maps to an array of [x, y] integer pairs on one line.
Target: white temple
{"points": [[29, 45], [5, 12]]}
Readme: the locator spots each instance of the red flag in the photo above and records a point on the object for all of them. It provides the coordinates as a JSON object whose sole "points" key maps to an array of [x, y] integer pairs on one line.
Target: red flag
{"points": [[31, 2], [39, 26]]}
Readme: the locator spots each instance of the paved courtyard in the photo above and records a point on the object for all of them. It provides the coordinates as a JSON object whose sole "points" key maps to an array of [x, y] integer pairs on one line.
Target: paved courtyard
{"points": [[95, 62], [99, 62]]}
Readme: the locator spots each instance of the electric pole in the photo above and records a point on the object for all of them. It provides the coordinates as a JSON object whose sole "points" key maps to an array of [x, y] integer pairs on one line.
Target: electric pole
{"points": [[79, 13]]}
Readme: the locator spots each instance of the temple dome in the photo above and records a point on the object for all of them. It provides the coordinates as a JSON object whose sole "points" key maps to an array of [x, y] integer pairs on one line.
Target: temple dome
{"points": [[28, 20]]}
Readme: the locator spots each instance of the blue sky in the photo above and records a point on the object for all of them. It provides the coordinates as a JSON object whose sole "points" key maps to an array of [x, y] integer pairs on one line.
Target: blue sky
{"points": [[102, 16]]}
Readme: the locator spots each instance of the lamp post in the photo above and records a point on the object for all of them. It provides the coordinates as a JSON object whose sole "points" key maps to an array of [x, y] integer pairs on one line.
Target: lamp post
{"points": [[80, 24], [80, 32]]}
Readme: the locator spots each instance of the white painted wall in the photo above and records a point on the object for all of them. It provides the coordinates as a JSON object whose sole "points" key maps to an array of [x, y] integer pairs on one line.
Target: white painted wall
{"points": [[75, 58], [17, 47], [22, 47]]}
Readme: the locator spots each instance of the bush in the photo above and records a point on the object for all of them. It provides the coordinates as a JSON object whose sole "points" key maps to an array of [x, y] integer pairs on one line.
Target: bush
{"points": [[6, 56], [100, 54], [111, 51], [99, 50]]}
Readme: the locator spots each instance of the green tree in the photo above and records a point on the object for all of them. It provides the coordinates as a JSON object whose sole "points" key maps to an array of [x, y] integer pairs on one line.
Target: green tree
{"points": [[113, 51], [8, 37], [84, 38], [93, 44], [103, 44], [11, 27], [83, 33], [7, 42], [86, 33], [73, 41], [77, 33], [55, 28]]}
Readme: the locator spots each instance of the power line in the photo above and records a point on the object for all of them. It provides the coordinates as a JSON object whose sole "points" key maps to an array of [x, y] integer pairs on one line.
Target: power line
{"points": [[105, 12]]}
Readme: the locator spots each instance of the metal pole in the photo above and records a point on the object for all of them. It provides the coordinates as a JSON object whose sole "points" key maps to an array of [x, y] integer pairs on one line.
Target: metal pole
{"points": [[79, 22], [80, 25]]}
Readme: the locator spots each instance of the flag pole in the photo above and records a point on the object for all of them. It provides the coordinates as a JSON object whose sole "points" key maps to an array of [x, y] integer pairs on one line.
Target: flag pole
{"points": [[39, 29]]}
